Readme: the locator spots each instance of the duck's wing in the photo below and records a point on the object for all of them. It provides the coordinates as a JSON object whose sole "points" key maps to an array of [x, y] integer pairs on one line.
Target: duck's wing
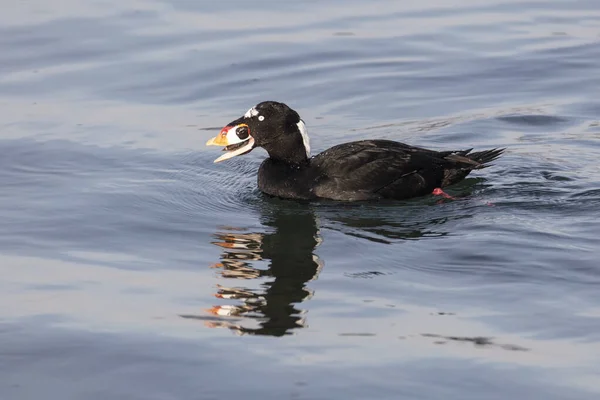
{"points": [[382, 168]]}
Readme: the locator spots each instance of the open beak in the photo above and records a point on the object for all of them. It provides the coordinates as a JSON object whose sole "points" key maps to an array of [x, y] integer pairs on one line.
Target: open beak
{"points": [[233, 144]]}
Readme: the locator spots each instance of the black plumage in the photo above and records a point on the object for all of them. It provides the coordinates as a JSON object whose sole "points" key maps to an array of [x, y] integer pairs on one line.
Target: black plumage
{"points": [[360, 170]]}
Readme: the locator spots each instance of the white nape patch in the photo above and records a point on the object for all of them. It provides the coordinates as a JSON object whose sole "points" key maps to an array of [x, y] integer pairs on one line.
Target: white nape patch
{"points": [[251, 113], [232, 137], [305, 139]]}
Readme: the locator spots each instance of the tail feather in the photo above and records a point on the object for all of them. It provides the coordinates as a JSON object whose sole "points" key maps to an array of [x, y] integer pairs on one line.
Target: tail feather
{"points": [[483, 158], [466, 162], [477, 160]]}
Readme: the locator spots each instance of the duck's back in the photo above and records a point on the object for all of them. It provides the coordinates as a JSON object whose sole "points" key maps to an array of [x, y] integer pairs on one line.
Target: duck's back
{"points": [[374, 169]]}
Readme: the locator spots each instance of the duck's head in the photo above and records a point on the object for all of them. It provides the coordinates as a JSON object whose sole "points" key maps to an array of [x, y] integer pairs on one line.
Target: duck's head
{"points": [[271, 125]]}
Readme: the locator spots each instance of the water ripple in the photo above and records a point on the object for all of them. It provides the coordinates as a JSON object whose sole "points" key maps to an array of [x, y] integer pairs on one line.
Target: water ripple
{"points": [[113, 216]]}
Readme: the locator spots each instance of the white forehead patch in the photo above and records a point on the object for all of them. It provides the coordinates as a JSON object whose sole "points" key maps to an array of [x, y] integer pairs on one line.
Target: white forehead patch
{"points": [[305, 139], [251, 113]]}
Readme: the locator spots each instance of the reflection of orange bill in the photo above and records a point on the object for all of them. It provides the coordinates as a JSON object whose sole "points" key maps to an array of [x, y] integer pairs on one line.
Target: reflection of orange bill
{"points": [[213, 310], [229, 245], [222, 311]]}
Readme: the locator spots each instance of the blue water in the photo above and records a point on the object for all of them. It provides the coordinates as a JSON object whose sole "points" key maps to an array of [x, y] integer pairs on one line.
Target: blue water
{"points": [[134, 268]]}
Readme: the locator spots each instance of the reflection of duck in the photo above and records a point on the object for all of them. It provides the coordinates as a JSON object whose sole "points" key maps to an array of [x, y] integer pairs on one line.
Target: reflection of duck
{"points": [[290, 264], [360, 170], [282, 261]]}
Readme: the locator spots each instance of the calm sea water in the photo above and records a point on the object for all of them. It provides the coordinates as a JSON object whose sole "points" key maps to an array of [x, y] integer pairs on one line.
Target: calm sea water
{"points": [[134, 268]]}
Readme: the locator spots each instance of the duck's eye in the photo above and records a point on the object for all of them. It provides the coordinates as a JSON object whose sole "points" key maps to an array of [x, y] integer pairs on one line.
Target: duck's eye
{"points": [[261, 117], [242, 132]]}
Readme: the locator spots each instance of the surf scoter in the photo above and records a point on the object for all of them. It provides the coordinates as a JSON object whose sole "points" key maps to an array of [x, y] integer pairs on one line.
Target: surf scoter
{"points": [[361, 170]]}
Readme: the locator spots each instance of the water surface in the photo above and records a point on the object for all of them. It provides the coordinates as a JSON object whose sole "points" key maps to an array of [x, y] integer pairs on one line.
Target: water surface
{"points": [[135, 268]]}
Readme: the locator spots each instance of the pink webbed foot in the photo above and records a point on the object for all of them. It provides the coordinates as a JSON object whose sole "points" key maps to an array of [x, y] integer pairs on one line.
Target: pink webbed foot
{"points": [[440, 192]]}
